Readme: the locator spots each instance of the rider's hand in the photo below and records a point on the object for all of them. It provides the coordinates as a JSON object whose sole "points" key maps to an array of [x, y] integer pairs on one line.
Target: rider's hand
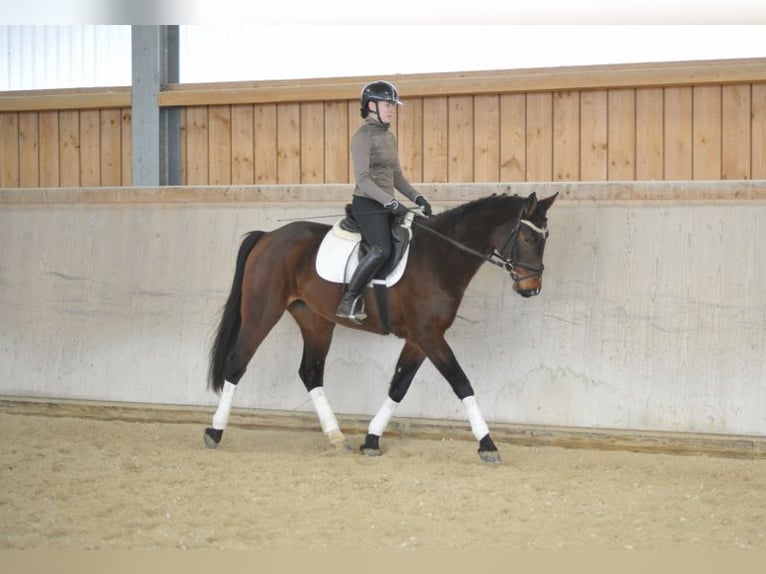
{"points": [[395, 207], [423, 202]]}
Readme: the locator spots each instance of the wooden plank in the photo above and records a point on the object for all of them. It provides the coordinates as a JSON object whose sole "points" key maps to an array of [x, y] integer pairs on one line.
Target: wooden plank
{"points": [[460, 139], [650, 111], [49, 149], [219, 145], [312, 135], [678, 133], [621, 134], [513, 137], [354, 122], [735, 136], [29, 149], [90, 148], [69, 148], [65, 99], [758, 130], [9, 153], [593, 138], [540, 137], [410, 138], [111, 147], [288, 143], [435, 145], [566, 136], [486, 153], [197, 153], [126, 117], [706, 130], [242, 145], [336, 143], [266, 153]]}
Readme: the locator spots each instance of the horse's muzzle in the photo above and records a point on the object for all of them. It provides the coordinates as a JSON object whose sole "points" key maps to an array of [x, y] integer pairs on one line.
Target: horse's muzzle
{"points": [[528, 287]]}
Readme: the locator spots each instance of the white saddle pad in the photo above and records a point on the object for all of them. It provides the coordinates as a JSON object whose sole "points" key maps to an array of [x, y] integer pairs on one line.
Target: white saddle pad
{"points": [[337, 256]]}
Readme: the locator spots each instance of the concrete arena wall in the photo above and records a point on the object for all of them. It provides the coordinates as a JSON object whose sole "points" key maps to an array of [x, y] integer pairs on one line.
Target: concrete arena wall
{"points": [[652, 315]]}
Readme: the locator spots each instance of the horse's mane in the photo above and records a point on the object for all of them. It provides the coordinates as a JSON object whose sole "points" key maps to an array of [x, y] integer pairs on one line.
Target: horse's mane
{"points": [[489, 204]]}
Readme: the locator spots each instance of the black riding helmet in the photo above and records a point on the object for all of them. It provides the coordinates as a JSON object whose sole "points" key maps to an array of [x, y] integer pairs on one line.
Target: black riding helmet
{"points": [[378, 91]]}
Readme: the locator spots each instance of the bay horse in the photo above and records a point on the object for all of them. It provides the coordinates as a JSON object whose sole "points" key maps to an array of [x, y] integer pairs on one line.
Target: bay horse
{"points": [[275, 272]]}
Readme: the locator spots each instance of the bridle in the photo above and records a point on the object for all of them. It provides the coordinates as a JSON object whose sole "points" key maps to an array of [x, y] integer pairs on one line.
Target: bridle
{"points": [[509, 263]]}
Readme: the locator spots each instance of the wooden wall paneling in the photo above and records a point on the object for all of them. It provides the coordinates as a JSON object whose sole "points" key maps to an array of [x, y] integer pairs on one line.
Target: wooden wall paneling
{"points": [[242, 145], [219, 146], [593, 138], [735, 141], [460, 138], [566, 136], [678, 133], [49, 149], [336, 142], [513, 137], [90, 148], [354, 122], [9, 152], [111, 144], [486, 153], [312, 137], [621, 134], [540, 137], [266, 152], [435, 145], [650, 111], [758, 131], [197, 146], [69, 148], [706, 132], [126, 129], [289, 143], [29, 149], [410, 138]]}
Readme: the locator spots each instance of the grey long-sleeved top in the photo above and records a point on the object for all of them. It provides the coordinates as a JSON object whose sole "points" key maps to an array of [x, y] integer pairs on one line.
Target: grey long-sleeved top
{"points": [[376, 164]]}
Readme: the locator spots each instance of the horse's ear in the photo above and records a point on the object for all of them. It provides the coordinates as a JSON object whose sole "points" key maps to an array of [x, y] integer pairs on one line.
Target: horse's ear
{"points": [[530, 205], [545, 204]]}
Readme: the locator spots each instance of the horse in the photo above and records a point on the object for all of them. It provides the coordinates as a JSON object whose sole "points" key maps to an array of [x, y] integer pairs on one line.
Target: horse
{"points": [[276, 272]]}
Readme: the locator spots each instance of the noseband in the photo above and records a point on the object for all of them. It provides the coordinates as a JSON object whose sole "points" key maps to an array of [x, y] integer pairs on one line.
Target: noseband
{"points": [[511, 262]]}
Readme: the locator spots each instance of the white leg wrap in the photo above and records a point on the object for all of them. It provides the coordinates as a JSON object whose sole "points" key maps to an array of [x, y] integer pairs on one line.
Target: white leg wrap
{"points": [[324, 410], [479, 427], [221, 416], [379, 423]]}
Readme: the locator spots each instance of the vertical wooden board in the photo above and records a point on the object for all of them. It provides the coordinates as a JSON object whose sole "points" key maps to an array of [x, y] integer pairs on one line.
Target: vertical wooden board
{"points": [[9, 152], [566, 136], [111, 154], [758, 130], [513, 137], [49, 149], [336, 142], [486, 153], [265, 118], [706, 132], [540, 137], [621, 134], [197, 146], [410, 139], [355, 121], [312, 128], [435, 145], [29, 149], [219, 145], [126, 116], [460, 139], [593, 135], [242, 145], [650, 108], [69, 148], [678, 133], [288, 143], [735, 140], [90, 148]]}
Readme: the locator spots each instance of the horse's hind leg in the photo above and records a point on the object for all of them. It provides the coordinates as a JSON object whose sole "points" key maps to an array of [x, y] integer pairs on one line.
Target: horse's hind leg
{"points": [[407, 365], [317, 336]]}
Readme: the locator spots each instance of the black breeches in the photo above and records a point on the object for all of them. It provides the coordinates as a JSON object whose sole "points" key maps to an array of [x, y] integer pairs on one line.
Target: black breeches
{"points": [[373, 220]]}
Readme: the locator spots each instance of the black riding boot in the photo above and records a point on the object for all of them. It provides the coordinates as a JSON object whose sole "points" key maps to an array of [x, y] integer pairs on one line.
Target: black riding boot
{"points": [[363, 273]]}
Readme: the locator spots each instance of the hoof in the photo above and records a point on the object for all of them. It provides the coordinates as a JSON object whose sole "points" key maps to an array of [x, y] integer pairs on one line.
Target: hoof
{"points": [[490, 456], [338, 440], [212, 437], [370, 451], [371, 446]]}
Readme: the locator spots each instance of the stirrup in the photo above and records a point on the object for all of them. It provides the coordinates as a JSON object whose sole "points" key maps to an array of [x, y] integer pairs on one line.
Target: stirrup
{"points": [[352, 310]]}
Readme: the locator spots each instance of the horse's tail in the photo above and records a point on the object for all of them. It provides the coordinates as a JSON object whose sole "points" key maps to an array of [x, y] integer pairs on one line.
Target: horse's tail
{"points": [[231, 318]]}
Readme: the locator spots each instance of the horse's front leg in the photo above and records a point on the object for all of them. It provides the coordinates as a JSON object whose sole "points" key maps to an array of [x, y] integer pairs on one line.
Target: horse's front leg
{"points": [[442, 357], [407, 365]]}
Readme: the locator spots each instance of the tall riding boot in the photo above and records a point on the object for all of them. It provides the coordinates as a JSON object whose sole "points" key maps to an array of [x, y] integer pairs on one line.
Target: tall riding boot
{"points": [[363, 273]]}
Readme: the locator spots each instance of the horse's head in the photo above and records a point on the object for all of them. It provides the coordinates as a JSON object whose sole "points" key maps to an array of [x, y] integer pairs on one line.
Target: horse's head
{"points": [[523, 249]]}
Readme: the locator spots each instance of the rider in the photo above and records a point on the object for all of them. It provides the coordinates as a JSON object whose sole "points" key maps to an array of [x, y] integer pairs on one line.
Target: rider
{"points": [[378, 172]]}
